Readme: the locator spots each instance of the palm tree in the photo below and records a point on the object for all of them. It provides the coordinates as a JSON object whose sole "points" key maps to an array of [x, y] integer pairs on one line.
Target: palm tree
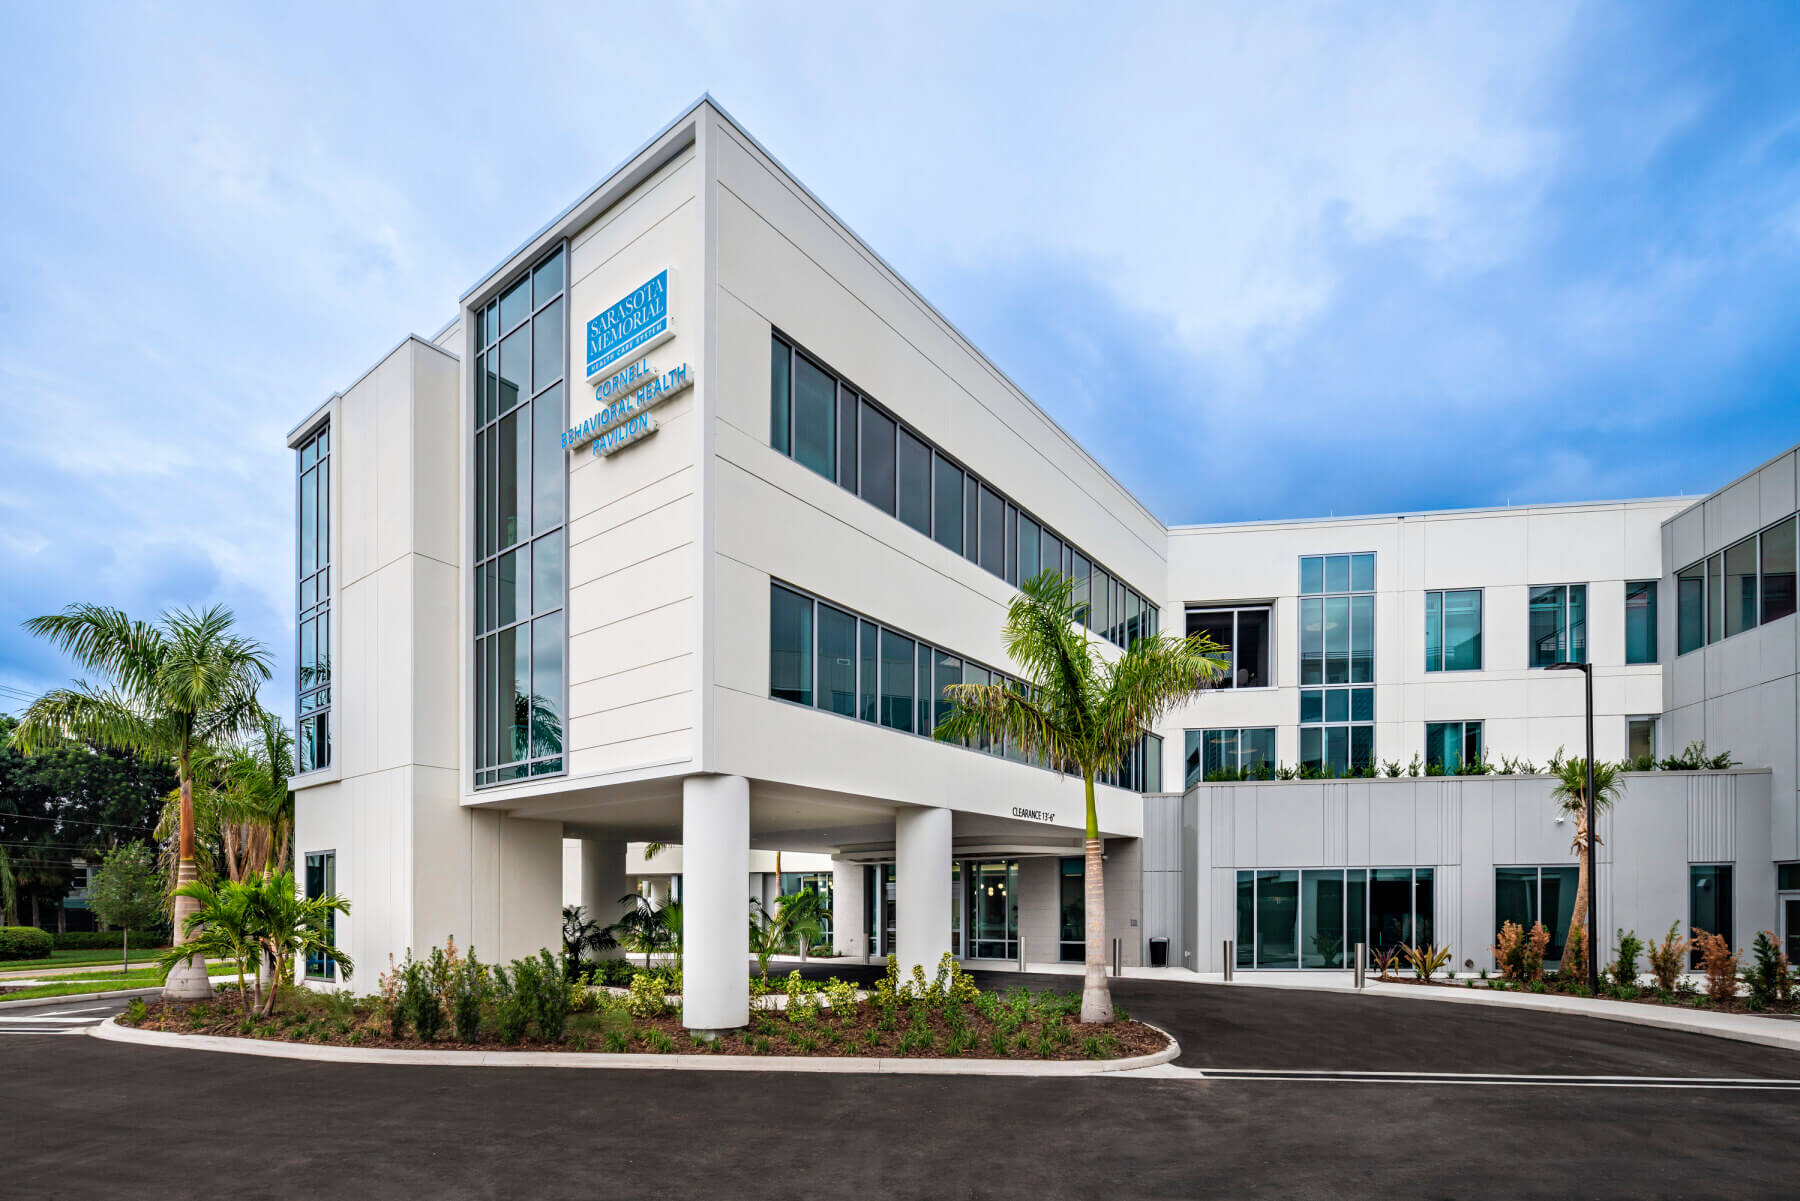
{"points": [[255, 807], [802, 918], [1570, 794], [218, 925], [644, 926], [288, 925], [582, 934], [9, 889], [1081, 713], [171, 687]]}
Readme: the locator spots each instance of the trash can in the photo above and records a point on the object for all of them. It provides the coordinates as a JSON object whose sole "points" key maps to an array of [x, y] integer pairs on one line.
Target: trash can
{"points": [[1159, 952]]}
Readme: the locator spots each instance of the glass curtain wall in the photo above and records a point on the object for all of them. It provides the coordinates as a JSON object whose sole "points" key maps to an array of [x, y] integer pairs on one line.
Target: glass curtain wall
{"points": [[1750, 583], [1311, 918], [312, 677], [1337, 651], [521, 474]]}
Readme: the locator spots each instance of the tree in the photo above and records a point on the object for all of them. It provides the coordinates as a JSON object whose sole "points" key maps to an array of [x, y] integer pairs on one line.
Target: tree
{"points": [[288, 925], [582, 934], [127, 890], [802, 918], [1570, 794], [243, 808], [647, 927], [244, 922], [1082, 713], [170, 688]]}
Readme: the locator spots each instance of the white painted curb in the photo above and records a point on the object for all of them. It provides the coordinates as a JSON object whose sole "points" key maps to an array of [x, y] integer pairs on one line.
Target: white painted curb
{"points": [[111, 1031]]}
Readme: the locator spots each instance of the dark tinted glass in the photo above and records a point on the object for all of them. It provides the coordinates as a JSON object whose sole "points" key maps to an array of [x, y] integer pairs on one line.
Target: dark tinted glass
{"points": [[877, 458], [914, 483], [815, 417]]}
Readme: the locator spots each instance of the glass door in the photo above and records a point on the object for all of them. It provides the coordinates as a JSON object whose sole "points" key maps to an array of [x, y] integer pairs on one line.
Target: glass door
{"points": [[993, 909], [889, 906]]}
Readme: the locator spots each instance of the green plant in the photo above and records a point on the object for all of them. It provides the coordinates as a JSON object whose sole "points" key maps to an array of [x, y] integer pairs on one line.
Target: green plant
{"points": [[1666, 956], [24, 942], [582, 934], [169, 689], [646, 998], [1075, 708], [469, 986], [1694, 758], [1769, 978], [842, 999], [136, 1012], [1385, 958], [1427, 960], [1571, 969], [617, 1041], [127, 890], [1570, 795], [1624, 969], [419, 1001], [658, 1042], [646, 927], [1719, 962]]}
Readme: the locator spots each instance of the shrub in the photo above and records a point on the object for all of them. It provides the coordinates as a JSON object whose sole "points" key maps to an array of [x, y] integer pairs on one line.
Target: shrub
{"points": [[646, 999], [1624, 969], [1509, 951], [549, 1000], [1426, 960], [1719, 962], [1665, 958], [108, 940], [24, 942], [136, 1012], [1385, 959], [1573, 968], [1768, 979], [469, 989], [387, 997], [842, 997], [512, 1009]]}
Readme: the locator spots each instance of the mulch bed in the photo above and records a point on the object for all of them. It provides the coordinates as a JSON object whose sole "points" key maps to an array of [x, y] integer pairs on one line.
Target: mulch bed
{"points": [[769, 1034], [1646, 996]]}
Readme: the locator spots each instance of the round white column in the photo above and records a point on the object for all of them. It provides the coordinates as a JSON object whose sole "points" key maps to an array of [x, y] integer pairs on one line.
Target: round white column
{"points": [[715, 850], [847, 934], [922, 888]]}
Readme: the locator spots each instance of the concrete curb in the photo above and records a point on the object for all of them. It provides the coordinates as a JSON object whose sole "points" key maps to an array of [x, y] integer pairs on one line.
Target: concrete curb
{"points": [[111, 1031], [1765, 1032], [64, 998]]}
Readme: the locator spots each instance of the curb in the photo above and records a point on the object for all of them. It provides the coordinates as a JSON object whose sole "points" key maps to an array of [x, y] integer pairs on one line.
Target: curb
{"points": [[1632, 1013], [63, 998], [111, 1031]]}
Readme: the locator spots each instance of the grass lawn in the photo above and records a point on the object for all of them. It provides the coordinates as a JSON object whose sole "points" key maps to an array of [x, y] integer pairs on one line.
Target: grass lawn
{"points": [[99, 957], [89, 982]]}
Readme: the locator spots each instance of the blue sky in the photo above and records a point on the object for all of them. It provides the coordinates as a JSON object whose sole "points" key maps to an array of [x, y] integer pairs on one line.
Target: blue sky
{"points": [[1264, 261]]}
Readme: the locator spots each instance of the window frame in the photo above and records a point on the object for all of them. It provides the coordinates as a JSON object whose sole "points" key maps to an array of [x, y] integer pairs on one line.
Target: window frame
{"points": [[1480, 630], [1654, 619], [1565, 641], [1464, 725], [1236, 609], [321, 714], [328, 885]]}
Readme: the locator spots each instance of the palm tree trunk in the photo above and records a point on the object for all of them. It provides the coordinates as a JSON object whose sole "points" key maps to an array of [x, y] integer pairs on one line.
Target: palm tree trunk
{"points": [[1096, 997], [1577, 968], [187, 980]]}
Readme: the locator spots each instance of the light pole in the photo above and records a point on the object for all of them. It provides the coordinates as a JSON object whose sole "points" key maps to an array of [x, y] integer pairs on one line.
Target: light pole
{"points": [[1593, 863]]}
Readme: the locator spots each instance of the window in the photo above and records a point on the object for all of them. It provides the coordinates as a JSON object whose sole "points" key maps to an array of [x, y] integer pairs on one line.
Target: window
{"points": [[790, 646], [1453, 630], [993, 909], [1450, 744], [1640, 738], [1640, 621], [521, 474], [1740, 587], [1778, 555], [824, 657], [1529, 895], [819, 420], [1690, 609], [312, 674], [321, 880], [1710, 901], [1244, 633], [1228, 754], [1715, 597], [1337, 647], [1313, 918], [1072, 908], [1558, 622]]}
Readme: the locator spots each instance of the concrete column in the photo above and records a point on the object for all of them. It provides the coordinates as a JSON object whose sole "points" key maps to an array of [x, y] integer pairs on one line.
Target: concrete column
{"points": [[603, 882], [922, 887], [715, 845], [847, 903]]}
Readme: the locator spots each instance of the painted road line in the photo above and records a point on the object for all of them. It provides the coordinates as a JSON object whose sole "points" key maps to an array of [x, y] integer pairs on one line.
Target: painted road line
{"points": [[1479, 1079]]}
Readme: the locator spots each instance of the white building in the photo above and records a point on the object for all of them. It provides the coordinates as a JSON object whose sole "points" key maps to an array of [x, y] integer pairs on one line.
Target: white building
{"points": [[676, 531]]}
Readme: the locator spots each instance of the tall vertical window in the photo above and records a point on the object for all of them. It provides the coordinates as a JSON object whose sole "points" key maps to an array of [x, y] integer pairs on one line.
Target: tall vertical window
{"points": [[1558, 624], [1690, 609], [1337, 648], [1640, 737], [1710, 901], [312, 676], [1778, 555], [1640, 621], [1244, 633], [1072, 910], [1453, 630], [1450, 744], [1740, 587], [321, 880], [521, 484]]}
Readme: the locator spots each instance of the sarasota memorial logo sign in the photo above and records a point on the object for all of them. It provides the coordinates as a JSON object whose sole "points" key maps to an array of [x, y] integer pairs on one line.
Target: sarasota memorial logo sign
{"points": [[626, 394]]}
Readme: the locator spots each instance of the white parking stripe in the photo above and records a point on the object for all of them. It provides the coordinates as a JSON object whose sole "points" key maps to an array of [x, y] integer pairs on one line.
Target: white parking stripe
{"points": [[1307, 1076]]}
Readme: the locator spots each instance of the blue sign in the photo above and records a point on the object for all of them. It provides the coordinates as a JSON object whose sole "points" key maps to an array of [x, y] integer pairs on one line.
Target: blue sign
{"points": [[634, 324]]}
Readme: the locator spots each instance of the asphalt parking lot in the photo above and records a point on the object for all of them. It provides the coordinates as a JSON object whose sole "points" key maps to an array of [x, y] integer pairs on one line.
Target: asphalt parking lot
{"points": [[1692, 1117]]}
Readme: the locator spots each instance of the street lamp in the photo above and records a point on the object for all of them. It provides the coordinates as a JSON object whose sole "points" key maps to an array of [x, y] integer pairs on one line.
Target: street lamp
{"points": [[1593, 862]]}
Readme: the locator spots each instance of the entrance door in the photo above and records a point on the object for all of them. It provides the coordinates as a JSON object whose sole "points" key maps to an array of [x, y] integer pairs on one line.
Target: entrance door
{"points": [[1790, 926]]}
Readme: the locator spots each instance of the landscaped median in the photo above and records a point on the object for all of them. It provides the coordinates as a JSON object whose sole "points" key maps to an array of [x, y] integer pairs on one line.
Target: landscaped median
{"points": [[452, 1009]]}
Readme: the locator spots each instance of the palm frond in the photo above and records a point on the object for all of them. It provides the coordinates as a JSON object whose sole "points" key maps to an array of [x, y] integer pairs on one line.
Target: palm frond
{"points": [[1138, 687]]}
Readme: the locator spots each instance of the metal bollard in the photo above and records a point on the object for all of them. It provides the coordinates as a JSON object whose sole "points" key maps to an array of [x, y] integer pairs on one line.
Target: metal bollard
{"points": [[1362, 963], [1117, 944], [1021, 952], [1230, 959]]}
